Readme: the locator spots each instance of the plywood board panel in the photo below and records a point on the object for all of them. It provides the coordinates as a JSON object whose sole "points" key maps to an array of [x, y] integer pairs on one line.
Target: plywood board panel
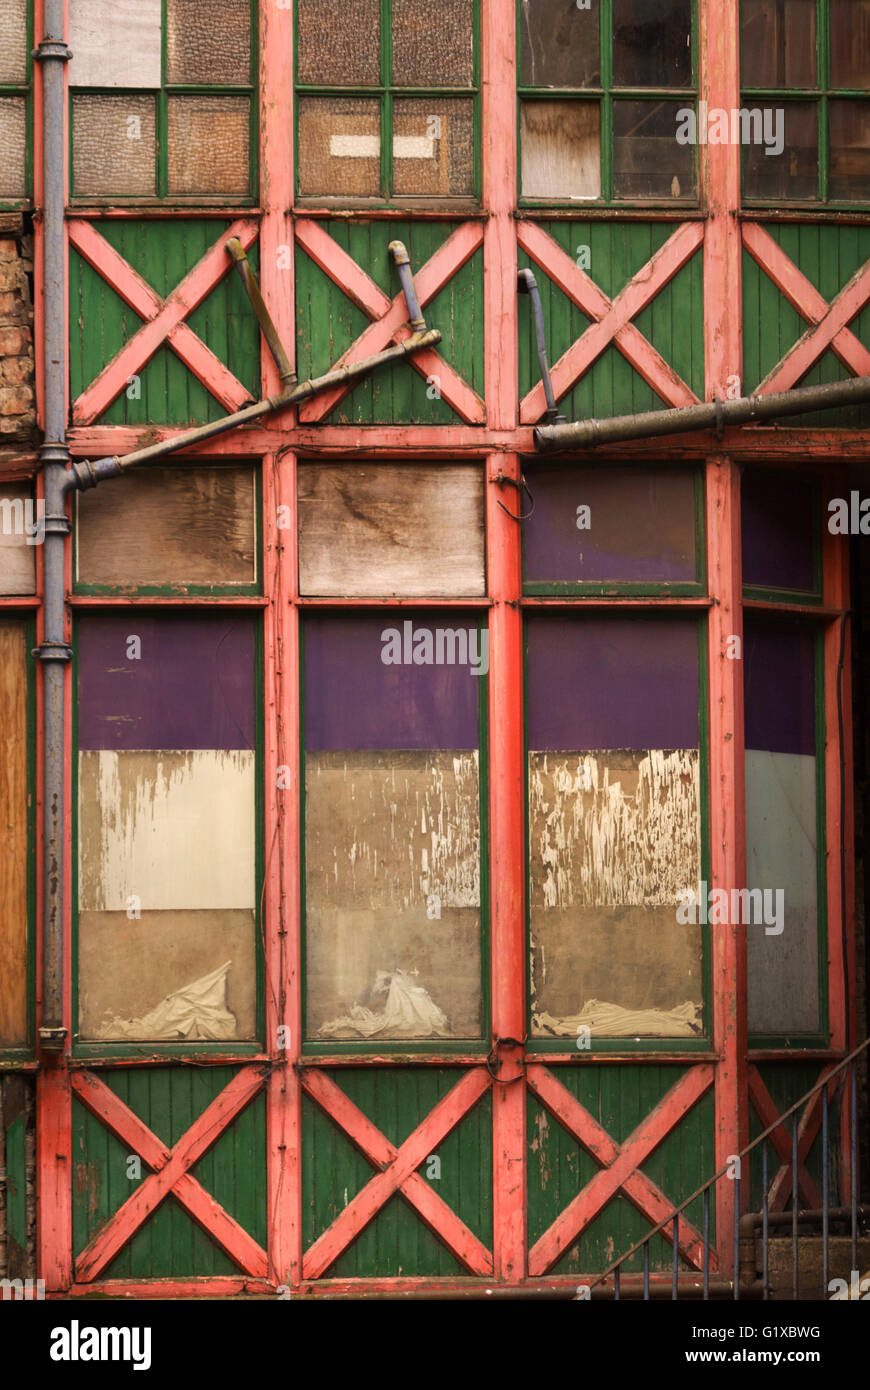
{"points": [[128, 966], [392, 894], [391, 529], [115, 43], [614, 839], [782, 967], [13, 834], [19, 520], [175, 830], [172, 526]]}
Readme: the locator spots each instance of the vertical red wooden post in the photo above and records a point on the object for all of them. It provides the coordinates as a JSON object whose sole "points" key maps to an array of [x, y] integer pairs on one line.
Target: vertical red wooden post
{"points": [[507, 850], [720, 87]]}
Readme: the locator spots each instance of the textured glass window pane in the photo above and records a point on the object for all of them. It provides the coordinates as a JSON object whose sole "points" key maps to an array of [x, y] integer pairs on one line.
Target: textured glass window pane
{"points": [[433, 147], [849, 132], [208, 45], [208, 144], [560, 44], [561, 149], [115, 43], [432, 47], [338, 45], [647, 160], [778, 43], [794, 171], [339, 146], [113, 145], [13, 134], [778, 523], [652, 43], [13, 41], [850, 44]]}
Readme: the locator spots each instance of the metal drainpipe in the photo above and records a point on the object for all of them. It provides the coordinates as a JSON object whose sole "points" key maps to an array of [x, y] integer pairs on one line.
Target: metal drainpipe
{"points": [[527, 284], [52, 53]]}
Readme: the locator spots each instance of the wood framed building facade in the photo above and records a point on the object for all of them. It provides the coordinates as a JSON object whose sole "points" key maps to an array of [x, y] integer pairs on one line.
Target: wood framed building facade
{"points": [[390, 746]]}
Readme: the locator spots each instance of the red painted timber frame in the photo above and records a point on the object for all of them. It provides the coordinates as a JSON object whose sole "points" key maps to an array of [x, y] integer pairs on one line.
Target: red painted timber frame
{"points": [[495, 433]]}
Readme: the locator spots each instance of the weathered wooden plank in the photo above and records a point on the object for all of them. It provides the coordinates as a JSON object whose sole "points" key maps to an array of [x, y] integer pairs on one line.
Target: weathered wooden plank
{"points": [[13, 834], [169, 526], [399, 529]]}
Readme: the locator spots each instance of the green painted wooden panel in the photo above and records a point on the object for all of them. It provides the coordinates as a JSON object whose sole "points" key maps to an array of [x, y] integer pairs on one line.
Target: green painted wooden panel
{"points": [[233, 1171], [327, 323], [787, 1082], [673, 322], [828, 256], [100, 323], [396, 1242], [619, 1098]]}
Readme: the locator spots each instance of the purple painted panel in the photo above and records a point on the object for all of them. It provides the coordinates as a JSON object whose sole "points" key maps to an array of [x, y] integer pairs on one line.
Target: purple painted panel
{"points": [[612, 683], [353, 700], [191, 687], [778, 686], [640, 526], [777, 515]]}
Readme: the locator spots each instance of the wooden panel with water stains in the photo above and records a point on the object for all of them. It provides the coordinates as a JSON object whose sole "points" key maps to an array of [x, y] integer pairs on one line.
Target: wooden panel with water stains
{"points": [[169, 526], [19, 534], [233, 1171], [619, 1099], [396, 1242], [17, 1177], [611, 253], [165, 392], [14, 817], [328, 322], [390, 529]]}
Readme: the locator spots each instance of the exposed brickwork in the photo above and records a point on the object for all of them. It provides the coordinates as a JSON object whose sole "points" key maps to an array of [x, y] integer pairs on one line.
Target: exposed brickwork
{"points": [[17, 403]]}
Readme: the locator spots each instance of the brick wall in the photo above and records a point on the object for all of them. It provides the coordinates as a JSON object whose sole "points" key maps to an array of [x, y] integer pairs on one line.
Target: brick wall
{"points": [[17, 403]]}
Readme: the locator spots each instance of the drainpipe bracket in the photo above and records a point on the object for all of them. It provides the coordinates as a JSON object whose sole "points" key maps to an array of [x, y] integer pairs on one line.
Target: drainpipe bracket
{"points": [[53, 651], [52, 48], [52, 1039], [56, 524]]}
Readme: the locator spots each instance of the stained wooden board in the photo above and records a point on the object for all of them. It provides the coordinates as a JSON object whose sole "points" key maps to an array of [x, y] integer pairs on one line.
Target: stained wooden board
{"points": [[386, 529], [17, 558], [13, 834], [171, 525]]}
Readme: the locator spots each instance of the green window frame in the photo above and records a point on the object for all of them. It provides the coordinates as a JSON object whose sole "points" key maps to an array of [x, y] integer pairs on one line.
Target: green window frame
{"points": [[387, 92], [823, 95], [608, 95], [22, 92], [163, 96]]}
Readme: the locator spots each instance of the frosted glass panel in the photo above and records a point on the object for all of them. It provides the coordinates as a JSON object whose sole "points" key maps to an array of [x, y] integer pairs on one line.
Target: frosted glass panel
{"points": [[340, 146], [115, 43], [13, 41], [208, 144], [114, 145], [433, 147], [204, 46], [13, 135], [338, 45]]}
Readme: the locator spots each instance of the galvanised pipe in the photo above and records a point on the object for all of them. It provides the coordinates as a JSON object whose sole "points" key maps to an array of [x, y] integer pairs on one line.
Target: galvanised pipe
{"points": [[586, 434], [406, 279], [258, 304], [52, 53], [85, 474], [527, 284]]}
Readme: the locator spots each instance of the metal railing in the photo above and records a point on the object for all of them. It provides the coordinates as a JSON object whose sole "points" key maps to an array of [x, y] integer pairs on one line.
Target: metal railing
{"points": [[615, 1282]]}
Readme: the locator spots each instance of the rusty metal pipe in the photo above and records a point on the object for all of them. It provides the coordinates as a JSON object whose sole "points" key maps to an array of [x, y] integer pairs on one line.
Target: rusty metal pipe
{"points": [[258, 304], [85, 474], [586, 434]]}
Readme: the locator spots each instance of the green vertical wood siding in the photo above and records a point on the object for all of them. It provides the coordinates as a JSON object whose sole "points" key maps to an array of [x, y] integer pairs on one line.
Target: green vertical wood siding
{"points": [[828, 256], [233, 1171], [396, 1242], [162, 252], [786, 1083], [673, 322], [327, 323]]}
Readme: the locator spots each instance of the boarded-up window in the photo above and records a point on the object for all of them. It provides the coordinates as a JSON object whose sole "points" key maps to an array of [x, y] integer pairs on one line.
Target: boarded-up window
{"points": [[22, 527], [780, 525], [404, 529], [392, 827], [614, 827], [185, 528], [166, 828], [605, 526], [782, 953], [14, 821]]}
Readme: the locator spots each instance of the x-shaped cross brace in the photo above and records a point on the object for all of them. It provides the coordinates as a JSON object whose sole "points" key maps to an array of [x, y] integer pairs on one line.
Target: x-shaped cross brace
{"points": [[164, 321], [611, 317], [390, 314], [827, 321], [808, 1127], [621, 1165], [397, 1172], [171, 1174]]}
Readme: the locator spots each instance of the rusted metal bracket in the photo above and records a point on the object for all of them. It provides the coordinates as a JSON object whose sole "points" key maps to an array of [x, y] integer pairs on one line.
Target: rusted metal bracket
{"points": [[494, 1057], [521, 486]]}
